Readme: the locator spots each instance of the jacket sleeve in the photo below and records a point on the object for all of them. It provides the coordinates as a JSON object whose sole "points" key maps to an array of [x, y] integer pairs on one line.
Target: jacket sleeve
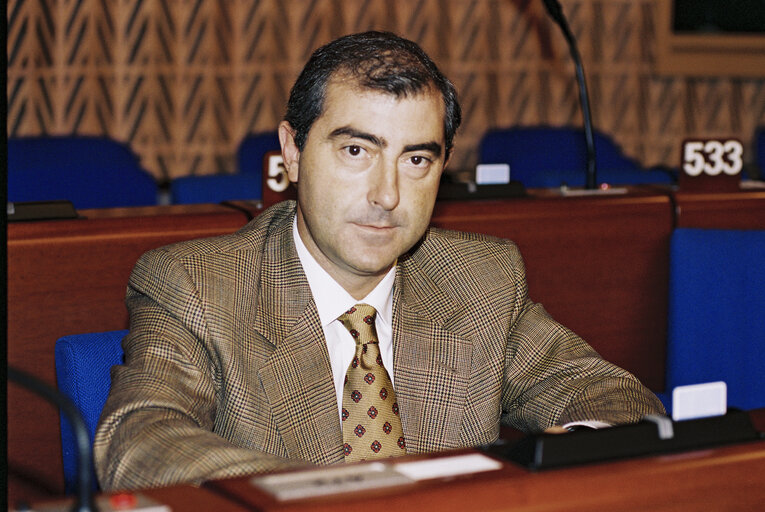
{"points": [[157, 427], [553, 377]]}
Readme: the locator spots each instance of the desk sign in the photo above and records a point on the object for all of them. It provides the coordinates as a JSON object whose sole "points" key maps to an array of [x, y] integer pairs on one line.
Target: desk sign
{"points": [[276, 185], [331, 480], [699, 400], [492, 174], [370, 475], [711, 165]]}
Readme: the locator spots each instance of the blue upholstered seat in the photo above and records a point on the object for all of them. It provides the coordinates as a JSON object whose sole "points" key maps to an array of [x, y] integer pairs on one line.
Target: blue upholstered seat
{"points": [[215, 188], [246, 183], [91, 172], [542, 157], [83, 364], [716, 325]]}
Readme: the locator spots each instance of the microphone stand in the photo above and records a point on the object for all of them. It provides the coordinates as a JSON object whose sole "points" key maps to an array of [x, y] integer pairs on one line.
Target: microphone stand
{"points": [[556, 13], [84, 498]]}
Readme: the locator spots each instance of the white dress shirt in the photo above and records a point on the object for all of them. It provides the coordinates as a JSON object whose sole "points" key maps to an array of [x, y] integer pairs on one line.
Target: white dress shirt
{"points": [[332, 301]]}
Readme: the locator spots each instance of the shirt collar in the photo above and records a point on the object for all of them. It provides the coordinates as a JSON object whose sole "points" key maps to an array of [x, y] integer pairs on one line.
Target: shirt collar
{"points": [[331, 299]]}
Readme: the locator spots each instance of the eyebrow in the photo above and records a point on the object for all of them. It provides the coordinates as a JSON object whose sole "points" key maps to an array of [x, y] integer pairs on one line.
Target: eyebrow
{"points": [[433, 147], [348, 131]]}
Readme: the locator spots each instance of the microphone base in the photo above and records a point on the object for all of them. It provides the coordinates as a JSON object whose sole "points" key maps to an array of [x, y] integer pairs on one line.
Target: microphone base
{"points": [[602, 191], [460, 191]]}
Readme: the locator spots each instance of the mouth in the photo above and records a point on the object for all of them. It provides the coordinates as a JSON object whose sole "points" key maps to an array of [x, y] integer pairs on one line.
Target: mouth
{"points": [[375, 228]]}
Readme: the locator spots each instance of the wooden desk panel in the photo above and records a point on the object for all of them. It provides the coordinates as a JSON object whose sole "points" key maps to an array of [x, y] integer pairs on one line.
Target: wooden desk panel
{"points": [[599, 265], [181, 498], [724, 478], [728, 210], [69, 277]]}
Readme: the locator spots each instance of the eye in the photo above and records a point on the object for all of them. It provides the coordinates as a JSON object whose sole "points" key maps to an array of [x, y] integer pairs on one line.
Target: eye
{"points": [[353, 150], [419, 160]]}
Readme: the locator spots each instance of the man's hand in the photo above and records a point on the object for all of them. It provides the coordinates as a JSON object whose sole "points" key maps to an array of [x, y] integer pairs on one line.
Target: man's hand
{"points": [[556, 429]]}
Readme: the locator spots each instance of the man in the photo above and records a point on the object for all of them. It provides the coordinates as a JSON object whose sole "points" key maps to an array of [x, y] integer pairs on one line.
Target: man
{"points": [[240, 345]]}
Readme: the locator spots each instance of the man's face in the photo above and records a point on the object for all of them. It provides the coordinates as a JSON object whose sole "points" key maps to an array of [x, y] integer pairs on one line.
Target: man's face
{"points": [[367, 179]]}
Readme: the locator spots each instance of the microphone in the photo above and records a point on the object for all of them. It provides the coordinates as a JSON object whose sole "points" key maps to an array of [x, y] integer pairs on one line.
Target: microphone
{"points": [[556, 13], [84, 498]]}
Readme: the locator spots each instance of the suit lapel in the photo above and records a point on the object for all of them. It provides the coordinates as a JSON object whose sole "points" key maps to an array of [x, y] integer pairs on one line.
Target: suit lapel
{"points": [[297, 377], [432, 360]]}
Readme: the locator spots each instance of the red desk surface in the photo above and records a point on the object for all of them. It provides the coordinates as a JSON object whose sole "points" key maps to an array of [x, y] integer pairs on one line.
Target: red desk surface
{"points": [[181, 498], [725, 478]]}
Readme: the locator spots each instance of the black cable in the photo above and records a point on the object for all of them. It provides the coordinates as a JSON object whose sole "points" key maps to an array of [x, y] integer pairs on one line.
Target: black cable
{"points": [[84, 501], [556, 13]]}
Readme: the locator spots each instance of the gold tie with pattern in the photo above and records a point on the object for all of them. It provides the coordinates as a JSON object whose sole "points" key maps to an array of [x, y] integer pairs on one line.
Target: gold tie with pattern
{"points": [[371, 423]]}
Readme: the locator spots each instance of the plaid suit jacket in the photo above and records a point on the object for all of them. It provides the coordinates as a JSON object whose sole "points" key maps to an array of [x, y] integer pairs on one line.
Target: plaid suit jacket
{"points": [[227, 370]]}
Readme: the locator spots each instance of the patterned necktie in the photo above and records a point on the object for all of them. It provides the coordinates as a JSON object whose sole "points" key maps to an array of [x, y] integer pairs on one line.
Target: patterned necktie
{"points": [[371, 424]]}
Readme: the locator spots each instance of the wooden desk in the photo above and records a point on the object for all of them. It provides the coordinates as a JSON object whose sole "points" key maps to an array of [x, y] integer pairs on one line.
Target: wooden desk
{"points": [[725, 210], [69, 277], [599, 265], [181, 498], [725, 478], [722, 478]]}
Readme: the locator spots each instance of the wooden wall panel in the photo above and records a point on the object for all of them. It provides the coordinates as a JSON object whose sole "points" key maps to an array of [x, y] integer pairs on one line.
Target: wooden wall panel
{"points": [[183, 81]]}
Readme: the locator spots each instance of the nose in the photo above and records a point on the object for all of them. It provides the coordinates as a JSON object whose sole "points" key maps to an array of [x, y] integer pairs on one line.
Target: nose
{"points": [[383, 189]]}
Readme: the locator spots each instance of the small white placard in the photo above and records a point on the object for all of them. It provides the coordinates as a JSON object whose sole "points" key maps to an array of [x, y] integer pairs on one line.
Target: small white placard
{"points": [[492, 174], [331, 480], [371, 475], [447, 466], [699, 401]]}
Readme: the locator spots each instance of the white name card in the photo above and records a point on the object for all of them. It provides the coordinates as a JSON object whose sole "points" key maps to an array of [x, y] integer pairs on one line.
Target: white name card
{"points": [[699, 401]]}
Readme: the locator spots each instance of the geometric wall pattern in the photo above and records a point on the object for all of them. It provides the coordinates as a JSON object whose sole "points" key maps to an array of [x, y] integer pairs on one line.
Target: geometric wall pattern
{"points": [[183, 81]]}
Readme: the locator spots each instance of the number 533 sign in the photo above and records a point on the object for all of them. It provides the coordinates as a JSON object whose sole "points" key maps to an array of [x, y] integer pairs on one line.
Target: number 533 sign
{"points": [[721, 159]]}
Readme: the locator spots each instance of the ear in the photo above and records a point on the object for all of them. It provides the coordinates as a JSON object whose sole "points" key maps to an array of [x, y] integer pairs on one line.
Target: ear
{"points": [[448, 157], [290, 151]]}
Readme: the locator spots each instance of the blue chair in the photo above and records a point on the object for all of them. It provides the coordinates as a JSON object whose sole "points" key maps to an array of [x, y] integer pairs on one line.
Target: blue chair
{"points": [[543, 157], [247, 183], [215, 188], [252, 150], [91, 172], [83, 364], [716, 327]]}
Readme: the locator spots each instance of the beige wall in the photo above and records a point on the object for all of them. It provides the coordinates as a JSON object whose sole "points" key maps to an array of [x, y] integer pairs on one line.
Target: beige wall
{"points": [[183, 81]]}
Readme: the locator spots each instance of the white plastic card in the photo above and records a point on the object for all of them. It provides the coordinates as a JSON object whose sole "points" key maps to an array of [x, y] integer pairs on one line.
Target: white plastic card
{"points": [[492, 174], [442, 467], [699, 401]]}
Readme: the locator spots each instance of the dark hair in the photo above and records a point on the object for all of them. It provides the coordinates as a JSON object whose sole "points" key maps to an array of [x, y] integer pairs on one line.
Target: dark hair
{"points": [[377, 60]]}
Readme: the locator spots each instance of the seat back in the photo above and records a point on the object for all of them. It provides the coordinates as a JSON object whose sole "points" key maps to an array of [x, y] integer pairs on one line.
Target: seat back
{"points": [[252, 150], [541, 157], [215, 188], [716, 325], [246, 183], [91, 172], [83, 364]]}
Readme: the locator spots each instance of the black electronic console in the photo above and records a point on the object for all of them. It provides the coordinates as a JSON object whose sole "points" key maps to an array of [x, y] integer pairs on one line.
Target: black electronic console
{"points": [[456, 190], [41, 210], [651, 436]]}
